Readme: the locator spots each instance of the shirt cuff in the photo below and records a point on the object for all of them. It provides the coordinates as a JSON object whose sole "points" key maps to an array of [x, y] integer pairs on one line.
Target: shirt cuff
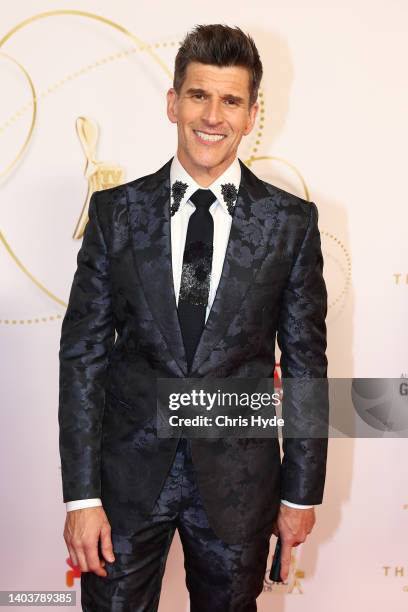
{"points": [[83, 503], [292, 505]]}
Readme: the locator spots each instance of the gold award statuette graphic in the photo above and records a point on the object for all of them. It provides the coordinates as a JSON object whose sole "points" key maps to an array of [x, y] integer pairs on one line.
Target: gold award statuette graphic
{"points": [[100, 175], [293, 583], [400, 278]]}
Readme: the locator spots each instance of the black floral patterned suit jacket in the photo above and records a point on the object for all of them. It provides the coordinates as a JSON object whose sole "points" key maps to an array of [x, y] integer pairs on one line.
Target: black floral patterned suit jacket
{"points": [[271, 284]]}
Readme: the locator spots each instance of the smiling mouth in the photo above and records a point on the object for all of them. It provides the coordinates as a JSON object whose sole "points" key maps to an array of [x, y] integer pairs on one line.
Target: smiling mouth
{"points": [[209, 137]]}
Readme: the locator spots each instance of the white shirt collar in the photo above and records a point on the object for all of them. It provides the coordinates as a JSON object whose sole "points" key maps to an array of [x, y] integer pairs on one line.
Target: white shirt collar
{"points": [[231, 175]]}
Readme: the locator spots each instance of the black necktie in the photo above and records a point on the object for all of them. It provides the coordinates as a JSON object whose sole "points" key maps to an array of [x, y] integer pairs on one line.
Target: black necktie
{"points": [[196, 271]]}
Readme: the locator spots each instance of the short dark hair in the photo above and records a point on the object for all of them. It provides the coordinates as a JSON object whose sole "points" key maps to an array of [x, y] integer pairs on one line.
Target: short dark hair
{"points": [[219, 45]]}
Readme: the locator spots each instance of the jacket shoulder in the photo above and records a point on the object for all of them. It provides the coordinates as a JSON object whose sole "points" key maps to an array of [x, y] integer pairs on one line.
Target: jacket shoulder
{"points": [[112, 194], [283, 201], [117, 193], [287, 199]]}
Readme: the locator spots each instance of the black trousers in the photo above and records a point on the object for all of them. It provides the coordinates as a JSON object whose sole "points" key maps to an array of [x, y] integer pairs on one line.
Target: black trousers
{"points": [[220, 577]]}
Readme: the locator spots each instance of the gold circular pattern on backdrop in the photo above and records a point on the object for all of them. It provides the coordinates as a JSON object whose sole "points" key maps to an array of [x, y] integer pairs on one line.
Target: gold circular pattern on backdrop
{"points": [[19, 113], [98, 63], [141, 47]]}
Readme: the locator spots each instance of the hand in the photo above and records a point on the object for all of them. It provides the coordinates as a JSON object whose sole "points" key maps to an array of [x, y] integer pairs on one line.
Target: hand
{"points": [[81, 534], [293, 525]]}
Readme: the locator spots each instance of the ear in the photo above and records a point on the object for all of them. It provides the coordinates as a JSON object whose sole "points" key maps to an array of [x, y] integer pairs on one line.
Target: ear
{"points": [[253, 111], [172, 105]]}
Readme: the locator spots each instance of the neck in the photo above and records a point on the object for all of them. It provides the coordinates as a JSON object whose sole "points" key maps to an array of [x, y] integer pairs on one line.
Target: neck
{"points": [[202, 175]]}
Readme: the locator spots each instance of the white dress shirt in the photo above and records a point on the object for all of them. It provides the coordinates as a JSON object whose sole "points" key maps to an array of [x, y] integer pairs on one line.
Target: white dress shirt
{"points": [[178, 227]]}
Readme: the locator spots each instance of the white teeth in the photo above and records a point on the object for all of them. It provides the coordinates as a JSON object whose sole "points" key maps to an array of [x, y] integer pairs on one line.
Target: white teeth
{"points": [[210, 137]]}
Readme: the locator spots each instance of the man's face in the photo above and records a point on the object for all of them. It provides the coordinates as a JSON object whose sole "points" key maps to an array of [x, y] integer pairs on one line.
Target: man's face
{"points": [[212, 114]]}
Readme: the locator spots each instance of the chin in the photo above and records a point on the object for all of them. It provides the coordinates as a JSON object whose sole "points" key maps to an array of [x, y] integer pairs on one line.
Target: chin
{"points": [[208, 160]]}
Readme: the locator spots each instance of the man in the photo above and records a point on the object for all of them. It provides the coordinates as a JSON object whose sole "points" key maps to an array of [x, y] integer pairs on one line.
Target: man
{"points": [[197, 267]]}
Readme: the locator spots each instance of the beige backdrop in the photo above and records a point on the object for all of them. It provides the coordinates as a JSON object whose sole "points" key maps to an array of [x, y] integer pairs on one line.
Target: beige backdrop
{"points": [[333, 119]]}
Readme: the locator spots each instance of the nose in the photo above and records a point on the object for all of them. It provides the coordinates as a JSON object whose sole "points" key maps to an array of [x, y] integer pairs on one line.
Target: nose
{"points": [[213, 112]]}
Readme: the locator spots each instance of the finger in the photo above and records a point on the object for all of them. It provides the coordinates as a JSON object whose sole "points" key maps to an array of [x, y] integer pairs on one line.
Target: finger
{"points": [[106, 544], [93, 560], [74, 558], [81, 560], [285, 560]]}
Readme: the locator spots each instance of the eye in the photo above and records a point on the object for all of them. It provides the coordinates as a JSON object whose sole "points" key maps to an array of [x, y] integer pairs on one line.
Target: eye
{"points": [[198, 96], [230, 102]]}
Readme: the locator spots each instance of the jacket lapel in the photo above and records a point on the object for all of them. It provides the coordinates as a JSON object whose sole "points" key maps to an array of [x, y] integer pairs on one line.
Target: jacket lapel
{"points": [[149, 218]]}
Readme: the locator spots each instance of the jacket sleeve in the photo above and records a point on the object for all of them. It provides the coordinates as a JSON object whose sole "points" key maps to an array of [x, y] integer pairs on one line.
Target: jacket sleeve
{"points": [[87, 337], [302, 340]]}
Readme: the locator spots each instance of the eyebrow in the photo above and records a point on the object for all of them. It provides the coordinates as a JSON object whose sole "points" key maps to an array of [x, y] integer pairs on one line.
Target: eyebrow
{"points": [[199, 90]]}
